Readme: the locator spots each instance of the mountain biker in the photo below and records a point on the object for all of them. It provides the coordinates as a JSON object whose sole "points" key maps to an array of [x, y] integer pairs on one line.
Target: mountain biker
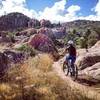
{"points": [[71, 52]]}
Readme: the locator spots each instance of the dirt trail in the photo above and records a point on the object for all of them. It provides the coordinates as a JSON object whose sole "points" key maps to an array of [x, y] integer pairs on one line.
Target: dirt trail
{"points": [[86, 90]]}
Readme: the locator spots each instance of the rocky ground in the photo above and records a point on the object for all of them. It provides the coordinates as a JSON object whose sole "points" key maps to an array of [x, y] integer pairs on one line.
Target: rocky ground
{"points": [[76, 84]]}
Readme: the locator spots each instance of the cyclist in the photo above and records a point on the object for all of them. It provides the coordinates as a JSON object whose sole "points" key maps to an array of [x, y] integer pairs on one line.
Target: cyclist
{"points": [[71, 52]]}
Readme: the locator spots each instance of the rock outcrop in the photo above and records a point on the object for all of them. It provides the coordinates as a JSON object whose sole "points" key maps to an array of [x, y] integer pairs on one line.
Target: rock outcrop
{"points": [[27, 32], [92, 72], [13, 21], [45, 23], [4, 64], [87, 59], [42, 42], [14, 56], [89, 63], [33, 23], [59, 32], [48, 32]]}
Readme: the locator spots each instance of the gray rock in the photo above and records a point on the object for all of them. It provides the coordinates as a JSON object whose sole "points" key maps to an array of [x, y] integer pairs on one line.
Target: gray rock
{"points": [[4, 64], [93, 72]]}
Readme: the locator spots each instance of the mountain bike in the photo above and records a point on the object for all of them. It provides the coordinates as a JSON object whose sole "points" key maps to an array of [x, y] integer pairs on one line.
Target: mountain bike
{"points": [[70, 68]]}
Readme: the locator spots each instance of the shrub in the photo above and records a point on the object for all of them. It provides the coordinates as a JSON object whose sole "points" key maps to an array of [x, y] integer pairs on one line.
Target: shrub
{"points": [[12, 36], [35, 80], [27, 49], [92, 39], [82, 42]]}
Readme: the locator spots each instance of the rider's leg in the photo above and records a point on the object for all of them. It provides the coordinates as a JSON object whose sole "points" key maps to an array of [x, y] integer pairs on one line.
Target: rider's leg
{"points": [[73, 61], [67, 58]]}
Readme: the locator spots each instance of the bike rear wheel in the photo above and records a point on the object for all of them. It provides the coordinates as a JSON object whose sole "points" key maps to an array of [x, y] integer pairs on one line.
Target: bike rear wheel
{"points": [[74, 73]]}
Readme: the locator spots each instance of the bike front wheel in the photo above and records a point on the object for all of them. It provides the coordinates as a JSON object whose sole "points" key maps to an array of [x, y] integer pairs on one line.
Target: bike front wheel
{"points": [[65, 69]]}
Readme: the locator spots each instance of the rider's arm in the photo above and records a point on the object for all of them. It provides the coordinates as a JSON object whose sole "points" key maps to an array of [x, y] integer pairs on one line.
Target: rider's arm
{"points": [[66, 50]]}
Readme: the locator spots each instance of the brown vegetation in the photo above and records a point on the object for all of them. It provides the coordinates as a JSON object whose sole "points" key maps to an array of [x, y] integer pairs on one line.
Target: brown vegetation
{"points": [[35, 80]]}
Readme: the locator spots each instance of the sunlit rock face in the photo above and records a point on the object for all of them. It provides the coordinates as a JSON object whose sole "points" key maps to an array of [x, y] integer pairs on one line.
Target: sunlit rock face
{"points": [[89, 63], [87, 59], [42, 42]]}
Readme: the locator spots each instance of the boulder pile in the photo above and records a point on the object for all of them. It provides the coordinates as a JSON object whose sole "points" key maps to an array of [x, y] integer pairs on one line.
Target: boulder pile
{"points": [[89, 63]]}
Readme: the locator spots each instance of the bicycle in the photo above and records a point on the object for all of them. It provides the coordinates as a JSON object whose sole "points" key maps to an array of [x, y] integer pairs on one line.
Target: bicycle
{"points": [[69, 68]]}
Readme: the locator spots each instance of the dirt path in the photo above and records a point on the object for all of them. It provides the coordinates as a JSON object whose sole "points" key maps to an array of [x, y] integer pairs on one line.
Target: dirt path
{"points": [[74, 85]]}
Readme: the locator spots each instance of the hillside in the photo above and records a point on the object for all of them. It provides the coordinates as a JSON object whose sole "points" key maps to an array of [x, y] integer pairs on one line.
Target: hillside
{"points": [[82, 24], [13, 21]]}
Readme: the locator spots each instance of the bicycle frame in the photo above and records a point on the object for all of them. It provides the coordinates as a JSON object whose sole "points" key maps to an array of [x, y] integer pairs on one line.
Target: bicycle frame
{"points": [[70, 65], [71, 69]]}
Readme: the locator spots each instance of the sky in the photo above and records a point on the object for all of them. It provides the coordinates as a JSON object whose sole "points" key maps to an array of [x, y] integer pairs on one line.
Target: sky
{"points": [[53, 10]]}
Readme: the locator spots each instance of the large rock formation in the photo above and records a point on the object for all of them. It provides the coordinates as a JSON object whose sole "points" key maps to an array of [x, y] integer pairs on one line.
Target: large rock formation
{"points": [[45, 23], [13, 21], [8, 57], [14, 56], [59, 32], [87, 59], [48, 32], [33, 23], [42, 42], [92, 72], [89, 63]]}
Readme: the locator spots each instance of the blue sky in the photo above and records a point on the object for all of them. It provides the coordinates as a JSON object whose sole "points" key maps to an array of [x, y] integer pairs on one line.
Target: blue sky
{"points": [[54, 10], [40, 4], [86, 5]]}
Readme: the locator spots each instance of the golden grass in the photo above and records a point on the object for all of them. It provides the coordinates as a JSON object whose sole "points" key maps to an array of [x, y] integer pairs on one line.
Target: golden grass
{"points": [[35, 80]]}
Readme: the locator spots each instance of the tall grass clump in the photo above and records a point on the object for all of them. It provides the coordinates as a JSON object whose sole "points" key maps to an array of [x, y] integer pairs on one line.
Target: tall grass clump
{"points": [[36, 80]]}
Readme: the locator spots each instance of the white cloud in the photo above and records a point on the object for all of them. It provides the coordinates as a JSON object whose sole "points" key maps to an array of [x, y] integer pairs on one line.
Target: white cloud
{"points": [[73, 9], [97, 8], [95, 17], [56, 13], [16, 6], [71, 15]]}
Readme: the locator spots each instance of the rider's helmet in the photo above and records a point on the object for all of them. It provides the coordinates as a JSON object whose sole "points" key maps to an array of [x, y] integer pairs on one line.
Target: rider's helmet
{"points": [[70, 42]]}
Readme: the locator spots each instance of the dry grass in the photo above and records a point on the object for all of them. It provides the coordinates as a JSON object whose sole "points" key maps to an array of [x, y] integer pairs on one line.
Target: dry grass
{"points": [[35, 80]]}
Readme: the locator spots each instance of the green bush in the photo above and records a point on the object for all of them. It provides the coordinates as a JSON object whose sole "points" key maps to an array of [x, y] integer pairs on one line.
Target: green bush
{"points": [[82, 42], [11, 35], [92, 39], [27, 49]]}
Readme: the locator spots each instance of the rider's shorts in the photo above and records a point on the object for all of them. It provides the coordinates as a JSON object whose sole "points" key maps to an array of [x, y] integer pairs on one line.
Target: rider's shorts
{"points": [[73, 58]]}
